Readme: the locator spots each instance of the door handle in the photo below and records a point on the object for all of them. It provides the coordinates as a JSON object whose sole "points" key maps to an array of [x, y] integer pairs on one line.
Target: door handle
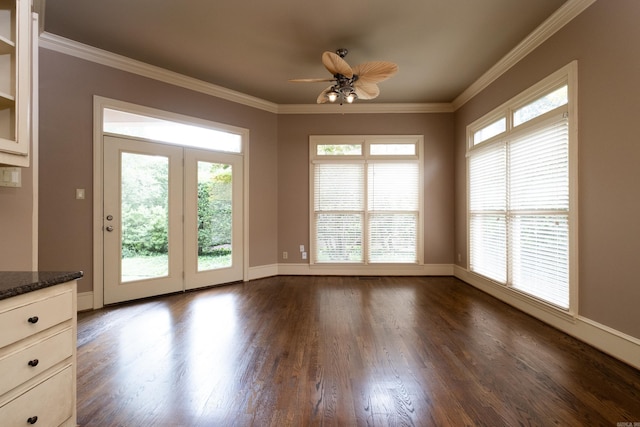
{"points": [[109, 229]]}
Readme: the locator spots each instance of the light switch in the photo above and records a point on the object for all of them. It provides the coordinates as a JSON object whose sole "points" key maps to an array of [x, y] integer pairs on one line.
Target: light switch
{"points": [[10, 177], [79, 193]]}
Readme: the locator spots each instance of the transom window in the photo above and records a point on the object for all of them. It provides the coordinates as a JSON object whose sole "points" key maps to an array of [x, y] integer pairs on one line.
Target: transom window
{"points": [[522, 195], [366, 196], [171, 131]]}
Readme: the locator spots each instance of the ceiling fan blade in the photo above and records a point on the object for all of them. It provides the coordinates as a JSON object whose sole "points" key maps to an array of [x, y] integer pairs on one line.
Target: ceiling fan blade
{"points": [[336, 65], [311, 80], [366, 90], [375, 71], [322, 98]]}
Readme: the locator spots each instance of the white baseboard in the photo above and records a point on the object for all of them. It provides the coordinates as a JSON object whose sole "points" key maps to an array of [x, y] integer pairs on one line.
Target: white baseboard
{"points": [[368, 270], [85, 301], [609, 340], [606, 339], [262, 271]]}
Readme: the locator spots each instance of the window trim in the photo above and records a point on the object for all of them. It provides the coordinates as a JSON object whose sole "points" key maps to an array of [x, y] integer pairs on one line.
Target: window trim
{"points": [[567, 75], [366, 158]]}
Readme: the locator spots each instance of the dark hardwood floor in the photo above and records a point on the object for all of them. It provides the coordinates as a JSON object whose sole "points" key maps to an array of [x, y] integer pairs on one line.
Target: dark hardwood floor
{"points": [[323, 351]]}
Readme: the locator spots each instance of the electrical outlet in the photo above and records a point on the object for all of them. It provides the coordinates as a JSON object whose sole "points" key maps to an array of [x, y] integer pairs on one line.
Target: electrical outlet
{"points": [[285, 255], [304, 255]]}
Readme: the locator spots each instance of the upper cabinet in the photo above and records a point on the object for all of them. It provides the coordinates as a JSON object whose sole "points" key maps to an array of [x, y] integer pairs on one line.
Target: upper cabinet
{"points": [[16, 82]]}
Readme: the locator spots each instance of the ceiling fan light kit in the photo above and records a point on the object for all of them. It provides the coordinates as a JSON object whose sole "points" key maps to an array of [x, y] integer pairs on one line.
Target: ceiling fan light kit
{"points": [[349, 84]]}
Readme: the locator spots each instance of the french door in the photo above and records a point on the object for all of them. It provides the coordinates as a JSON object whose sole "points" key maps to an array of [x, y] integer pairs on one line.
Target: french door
{"points": [[172, 218]]}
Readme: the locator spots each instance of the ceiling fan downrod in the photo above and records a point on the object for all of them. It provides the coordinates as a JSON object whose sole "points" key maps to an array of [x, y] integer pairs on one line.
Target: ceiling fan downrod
{"points": [[342, 52]]}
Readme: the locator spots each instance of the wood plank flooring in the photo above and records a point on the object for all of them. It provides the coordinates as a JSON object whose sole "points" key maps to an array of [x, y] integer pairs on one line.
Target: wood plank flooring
{"points": [[340, 351]]}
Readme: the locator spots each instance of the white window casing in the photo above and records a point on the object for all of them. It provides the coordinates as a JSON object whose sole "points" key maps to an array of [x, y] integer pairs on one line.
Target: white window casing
{"points": [[366, 199], [522, 193]]}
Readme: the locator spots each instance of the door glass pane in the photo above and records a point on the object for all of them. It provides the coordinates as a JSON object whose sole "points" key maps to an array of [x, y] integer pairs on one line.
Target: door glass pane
{"points": [[145, 217], [214, 215]]}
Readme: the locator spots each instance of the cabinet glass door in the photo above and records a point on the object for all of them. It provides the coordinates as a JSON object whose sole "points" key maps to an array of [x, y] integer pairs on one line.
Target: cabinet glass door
{"points": [[16, 56]]}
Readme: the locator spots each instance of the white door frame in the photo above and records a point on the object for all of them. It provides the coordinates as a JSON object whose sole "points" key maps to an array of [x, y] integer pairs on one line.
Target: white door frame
{"points": [[99, 104]]}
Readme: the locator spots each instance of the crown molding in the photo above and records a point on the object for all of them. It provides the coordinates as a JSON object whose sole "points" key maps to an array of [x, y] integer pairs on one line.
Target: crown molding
{"points": [[123, 63], [103, 57], [553, 24], [359, 108]]}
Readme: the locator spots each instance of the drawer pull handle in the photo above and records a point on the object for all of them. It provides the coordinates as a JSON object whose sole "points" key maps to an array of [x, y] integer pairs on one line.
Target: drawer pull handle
{"points": [[33, 362], [32, 420], [33, 319]]}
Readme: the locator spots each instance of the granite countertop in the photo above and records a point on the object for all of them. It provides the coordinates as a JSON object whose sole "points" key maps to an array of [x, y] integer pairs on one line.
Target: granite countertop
{"points": [[14, 283]]}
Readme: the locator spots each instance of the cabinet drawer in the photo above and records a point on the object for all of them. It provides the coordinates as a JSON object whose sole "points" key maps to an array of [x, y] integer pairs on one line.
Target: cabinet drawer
{"points": [[26, 363], [26, 320], [50, 401]]}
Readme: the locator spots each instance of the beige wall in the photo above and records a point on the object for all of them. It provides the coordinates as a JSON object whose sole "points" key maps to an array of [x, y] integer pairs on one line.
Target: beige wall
{"points": [[67, 87], [293, 173], [604, 39], [16, 231], [278, 199]]}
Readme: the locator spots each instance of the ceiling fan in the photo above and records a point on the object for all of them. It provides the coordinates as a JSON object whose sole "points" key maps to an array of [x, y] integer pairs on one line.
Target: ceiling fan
{"points": [[359, 82]]}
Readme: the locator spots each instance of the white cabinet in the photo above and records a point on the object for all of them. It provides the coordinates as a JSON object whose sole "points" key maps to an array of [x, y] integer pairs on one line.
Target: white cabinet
{"points": [[38, 357], [17, 53]]}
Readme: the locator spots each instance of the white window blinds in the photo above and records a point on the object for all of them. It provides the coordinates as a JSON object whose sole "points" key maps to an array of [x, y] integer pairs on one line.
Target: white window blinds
{"points": [[393, 211], [339, 211], [366, 201], [539, 211], [519, 210], [522, 192], [488, 212]]}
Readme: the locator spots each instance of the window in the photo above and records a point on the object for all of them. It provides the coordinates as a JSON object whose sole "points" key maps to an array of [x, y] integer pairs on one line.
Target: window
{"points": [[141, 126], [366, 199], [489, 131], [521, 194]]}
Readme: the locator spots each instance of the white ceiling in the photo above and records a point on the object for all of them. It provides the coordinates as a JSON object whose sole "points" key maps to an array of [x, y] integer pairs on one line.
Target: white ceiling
{"points": [[255, 46]]}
